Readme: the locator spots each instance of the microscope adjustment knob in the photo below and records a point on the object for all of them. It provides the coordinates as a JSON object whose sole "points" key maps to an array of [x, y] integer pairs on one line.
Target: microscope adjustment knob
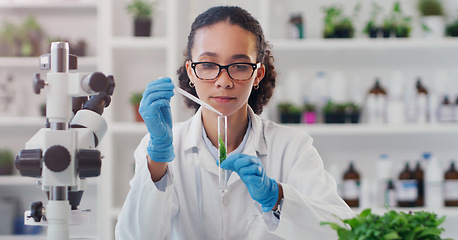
{"points": [[89, 163], [57, 158], [28, 162], [36, 211], [38, 83]]}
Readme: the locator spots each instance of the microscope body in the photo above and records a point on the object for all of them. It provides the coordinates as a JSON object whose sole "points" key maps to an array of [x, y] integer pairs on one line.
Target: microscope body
{"points": [[63, 155]]}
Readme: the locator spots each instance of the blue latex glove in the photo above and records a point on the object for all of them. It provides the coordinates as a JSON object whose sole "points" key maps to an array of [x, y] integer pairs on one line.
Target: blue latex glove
{"points": [[262, 188], [155, 111]]}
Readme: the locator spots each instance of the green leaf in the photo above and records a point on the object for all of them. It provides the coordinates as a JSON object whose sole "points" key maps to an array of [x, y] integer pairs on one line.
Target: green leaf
{"points": [[222, 150], [334, 226], [345, 234], [365, 212], [391, 235]]}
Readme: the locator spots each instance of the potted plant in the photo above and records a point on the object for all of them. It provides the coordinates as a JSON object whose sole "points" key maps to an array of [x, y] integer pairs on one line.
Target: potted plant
{"points": [[452, 29], [403, 27], [340, 113], [388, 26], [329, 112], [396, 23], [344, 28], [332, 14], [135, 99], [432, 18], [309, 113], [289, 113], [6, 162], [142, 11], [371, 28], [294, 114], [392, 225], [33, 37], [337, 25], [353, 112]]}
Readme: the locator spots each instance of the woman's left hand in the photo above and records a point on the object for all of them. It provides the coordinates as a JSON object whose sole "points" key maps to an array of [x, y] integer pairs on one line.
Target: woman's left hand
{"points": [[262, 188]]}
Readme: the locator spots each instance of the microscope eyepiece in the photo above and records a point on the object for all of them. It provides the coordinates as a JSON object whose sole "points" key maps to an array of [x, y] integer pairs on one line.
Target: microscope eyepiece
{"points": [[95, 82]]}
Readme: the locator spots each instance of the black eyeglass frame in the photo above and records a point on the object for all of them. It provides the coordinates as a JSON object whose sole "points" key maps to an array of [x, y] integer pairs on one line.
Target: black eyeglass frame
{"points": [[221, 67]]}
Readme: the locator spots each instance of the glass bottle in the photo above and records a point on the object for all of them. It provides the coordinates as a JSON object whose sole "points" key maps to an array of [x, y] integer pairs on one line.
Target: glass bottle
{"points": [[351, 186], [419, 175], [451, 186], [406, 188], [421, 102], [445, 110], [390, 194], [376, 103]]}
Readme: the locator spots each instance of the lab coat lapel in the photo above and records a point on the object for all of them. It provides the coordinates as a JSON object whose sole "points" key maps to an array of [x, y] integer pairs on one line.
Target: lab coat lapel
{"points": [[255, 145], [194, 140]]}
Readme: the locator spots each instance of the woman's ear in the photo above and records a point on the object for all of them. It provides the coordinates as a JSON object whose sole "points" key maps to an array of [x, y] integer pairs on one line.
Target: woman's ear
{"points": [[260, 73], [189, 70]]}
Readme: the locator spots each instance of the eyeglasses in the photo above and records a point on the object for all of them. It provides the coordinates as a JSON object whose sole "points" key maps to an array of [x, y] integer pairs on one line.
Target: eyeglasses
{"points": [[236, 71]]}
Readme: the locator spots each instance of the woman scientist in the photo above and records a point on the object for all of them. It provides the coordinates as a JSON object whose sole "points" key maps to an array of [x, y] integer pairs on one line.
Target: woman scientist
{"points": [[278, 188]]}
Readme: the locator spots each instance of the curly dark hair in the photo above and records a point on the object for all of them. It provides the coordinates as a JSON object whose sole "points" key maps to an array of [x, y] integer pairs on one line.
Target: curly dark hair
{"points": [[237, 16]]}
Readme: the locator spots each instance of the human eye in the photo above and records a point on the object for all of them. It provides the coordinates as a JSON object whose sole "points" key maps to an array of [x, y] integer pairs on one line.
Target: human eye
{"points": [[241, 67], [208, 66]]}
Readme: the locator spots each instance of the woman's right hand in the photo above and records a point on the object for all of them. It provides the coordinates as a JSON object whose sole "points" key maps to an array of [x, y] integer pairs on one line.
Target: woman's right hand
{"points": [[156, 113]]}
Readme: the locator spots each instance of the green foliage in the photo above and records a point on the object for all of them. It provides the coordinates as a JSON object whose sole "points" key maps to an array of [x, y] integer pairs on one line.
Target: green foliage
{"points": [[372, 22], [397, 22], [141, 9], [222, 150], [335, 22], [330, 107], [6, 157], [21, 40], [352, 107], [287, 107], [392, 225], [452, 29], [309, 107], [430, 7], [135, 98]]}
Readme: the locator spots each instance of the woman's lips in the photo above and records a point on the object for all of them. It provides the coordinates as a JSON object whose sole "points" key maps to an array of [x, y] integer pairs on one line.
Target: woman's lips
{"points": [[222, 99]]}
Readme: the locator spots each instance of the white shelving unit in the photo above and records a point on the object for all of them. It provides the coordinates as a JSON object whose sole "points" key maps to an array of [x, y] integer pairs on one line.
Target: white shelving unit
{"points": [[17, 129], [134, 61]]}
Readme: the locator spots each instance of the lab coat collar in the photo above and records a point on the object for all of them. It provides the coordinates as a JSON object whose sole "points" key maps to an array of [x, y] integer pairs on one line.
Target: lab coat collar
{"points": [[256, 144]]}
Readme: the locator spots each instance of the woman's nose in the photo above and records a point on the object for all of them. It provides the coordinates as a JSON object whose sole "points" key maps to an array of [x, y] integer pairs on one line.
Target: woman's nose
{"points": [[224, 80]]}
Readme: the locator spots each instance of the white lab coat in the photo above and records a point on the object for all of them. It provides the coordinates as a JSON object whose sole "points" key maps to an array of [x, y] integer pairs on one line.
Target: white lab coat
{"points": [[191, 207]]}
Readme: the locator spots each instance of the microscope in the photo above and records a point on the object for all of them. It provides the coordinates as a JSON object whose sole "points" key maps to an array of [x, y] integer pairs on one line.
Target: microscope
{"points": [[63, 154]]}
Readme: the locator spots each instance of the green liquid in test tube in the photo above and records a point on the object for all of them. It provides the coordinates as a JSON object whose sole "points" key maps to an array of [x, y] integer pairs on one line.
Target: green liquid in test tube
{"points": [[222, 152]]}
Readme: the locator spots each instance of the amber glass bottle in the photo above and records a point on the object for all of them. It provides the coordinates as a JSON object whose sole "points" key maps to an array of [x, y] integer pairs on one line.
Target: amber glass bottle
{"points": [[451, 186], [420, 87], [419, 175], [407, 188], [351, 186], [377, 88]]}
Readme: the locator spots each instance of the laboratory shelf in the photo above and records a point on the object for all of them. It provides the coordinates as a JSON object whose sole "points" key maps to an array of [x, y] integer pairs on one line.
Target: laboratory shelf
{"points": [[48, 5], [16, 180], [19, 62], [22, 237], [22, 122], [358, 44], [139, 43], [131, 128], [440, 211], [362, 129]]}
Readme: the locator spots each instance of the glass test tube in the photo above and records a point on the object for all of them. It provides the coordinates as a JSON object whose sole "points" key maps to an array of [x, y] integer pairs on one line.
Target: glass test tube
{"points": [[222, 152]]}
